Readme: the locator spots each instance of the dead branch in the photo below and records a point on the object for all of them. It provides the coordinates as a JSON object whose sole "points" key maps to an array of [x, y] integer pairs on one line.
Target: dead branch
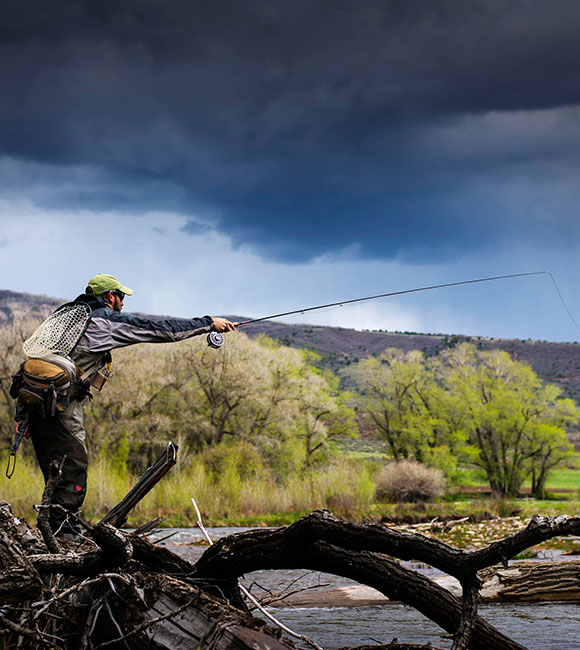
{"points": [[54, 474], [114, 551], [352, 550], [117, 516], [124, 591]]}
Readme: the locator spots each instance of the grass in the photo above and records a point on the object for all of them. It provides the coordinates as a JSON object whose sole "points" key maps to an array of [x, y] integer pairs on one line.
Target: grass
{"points": [[564, 479], [346, 488], [369, 455], [225, 499], [559, 479], [477, 508], [24, 488]]}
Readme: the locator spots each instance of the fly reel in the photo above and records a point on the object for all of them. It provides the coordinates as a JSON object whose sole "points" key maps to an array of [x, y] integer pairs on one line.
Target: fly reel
{"points": [[215, 340]]}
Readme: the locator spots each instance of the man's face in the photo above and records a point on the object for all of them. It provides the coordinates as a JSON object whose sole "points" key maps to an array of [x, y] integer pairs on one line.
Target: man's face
{"points": [[115, 300]]}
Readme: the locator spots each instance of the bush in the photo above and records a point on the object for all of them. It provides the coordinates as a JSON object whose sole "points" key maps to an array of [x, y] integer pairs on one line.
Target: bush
{"points": [[409, 481], [240, 454]]}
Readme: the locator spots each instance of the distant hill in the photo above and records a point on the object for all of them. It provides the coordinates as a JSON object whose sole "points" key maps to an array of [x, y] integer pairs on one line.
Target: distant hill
{"points": [[20, 304], [557, 363]]}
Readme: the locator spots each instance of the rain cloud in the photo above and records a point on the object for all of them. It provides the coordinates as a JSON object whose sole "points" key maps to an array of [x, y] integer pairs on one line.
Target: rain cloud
{"points": [[387, 129]]}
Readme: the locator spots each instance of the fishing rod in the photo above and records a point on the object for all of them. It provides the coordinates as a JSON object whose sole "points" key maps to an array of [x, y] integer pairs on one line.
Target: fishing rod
{"points": [[216, 340]]}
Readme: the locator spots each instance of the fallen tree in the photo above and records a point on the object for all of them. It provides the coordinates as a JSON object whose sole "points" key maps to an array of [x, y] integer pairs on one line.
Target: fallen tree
{"points": [[122, 591]]}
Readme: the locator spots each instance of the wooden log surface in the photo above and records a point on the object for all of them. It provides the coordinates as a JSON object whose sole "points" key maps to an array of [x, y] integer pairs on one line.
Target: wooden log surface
{"points": [[182, 616], [102, 597], [522, 581], [321, 541], [122, 591], [527, 581], [19, 579]]}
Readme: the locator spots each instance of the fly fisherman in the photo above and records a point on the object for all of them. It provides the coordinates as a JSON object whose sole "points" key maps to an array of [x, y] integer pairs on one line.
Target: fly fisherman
{"points": [[63, 435]]}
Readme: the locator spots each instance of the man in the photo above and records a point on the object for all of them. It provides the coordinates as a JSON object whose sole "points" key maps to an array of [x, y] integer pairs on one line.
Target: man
{"points": [[64, 436]]}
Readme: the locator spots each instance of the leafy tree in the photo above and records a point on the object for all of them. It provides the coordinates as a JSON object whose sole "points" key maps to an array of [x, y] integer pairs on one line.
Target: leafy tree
{"points": [[466, 404], [516, 425], [388, 384], [548, 447], [407, 407]]}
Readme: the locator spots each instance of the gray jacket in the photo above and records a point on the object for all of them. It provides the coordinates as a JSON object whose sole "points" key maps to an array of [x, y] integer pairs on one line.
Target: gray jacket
{"points": [[109, 329]]}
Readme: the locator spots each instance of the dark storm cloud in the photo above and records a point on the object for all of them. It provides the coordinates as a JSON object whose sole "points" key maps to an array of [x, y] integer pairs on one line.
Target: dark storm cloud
{"points": [[299, 128]]}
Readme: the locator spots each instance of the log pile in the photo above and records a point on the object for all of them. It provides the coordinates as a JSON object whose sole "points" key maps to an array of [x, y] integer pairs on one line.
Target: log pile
{"points": [[118, 590], [94, 596]]}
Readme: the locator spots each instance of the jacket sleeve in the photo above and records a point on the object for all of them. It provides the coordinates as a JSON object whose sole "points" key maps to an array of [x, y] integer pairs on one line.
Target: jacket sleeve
{"points": [[109, 329]]}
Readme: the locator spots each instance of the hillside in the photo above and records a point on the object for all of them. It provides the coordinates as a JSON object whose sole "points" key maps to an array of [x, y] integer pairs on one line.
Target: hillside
{"points": [[20, 304], [557, 363]]}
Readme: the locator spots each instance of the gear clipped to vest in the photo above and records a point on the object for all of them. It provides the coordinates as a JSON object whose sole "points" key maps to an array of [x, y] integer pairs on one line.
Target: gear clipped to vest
{"points": [[43, 386], [215, 340]]}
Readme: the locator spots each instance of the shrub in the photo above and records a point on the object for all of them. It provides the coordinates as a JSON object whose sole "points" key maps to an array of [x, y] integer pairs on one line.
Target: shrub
{"points": [[240, 454], [409, 481]]}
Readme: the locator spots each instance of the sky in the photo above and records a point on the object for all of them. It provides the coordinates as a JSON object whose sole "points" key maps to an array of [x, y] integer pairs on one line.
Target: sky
{"points": [[257, 156]]}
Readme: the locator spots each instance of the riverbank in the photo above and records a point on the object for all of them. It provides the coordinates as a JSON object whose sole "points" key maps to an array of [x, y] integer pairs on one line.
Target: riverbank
{"points": [[345, 488]]}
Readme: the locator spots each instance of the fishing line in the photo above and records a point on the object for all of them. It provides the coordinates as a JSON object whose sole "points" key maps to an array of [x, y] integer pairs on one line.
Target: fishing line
{"points": [[216, 340], [563, 301]]}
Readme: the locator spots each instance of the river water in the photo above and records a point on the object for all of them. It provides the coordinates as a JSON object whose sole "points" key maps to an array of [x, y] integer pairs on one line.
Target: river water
{"points": [[546, 626]]}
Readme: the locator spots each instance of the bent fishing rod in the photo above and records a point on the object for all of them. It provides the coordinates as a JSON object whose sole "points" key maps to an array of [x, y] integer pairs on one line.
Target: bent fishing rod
{"points": [[216, 340]]}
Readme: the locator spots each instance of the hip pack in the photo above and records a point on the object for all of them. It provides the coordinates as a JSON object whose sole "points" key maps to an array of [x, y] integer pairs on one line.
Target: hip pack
{"points": [[45, 386]]}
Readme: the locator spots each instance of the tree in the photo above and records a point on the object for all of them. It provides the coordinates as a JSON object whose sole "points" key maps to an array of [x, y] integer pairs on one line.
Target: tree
{"points": [[472, 405], [548, 447], [322, 416], [516, 425], [255, 391], [12, 336], [408, 408]]}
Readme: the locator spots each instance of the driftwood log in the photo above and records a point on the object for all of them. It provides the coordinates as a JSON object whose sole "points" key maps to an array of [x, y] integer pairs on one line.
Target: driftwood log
{"points": [[102, 598], [524, 581], [120, 591], [364, 553], [126, 588], [528, 581]]}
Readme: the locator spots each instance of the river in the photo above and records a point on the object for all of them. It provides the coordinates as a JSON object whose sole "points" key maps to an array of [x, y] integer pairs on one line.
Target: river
{"points": [[546, 626]]}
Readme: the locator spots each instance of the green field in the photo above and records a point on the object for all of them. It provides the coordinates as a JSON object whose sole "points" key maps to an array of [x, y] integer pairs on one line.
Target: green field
{"points": [[564, 479], [559, 480]]}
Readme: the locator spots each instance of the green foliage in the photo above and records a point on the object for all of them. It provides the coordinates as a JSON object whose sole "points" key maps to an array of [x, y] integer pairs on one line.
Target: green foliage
{"points": [[240, 455], [516, 426], [409, 409], [348, 488], [250, 419], [24, 488], [259, 500], [118, 457], [443, 459], [258, 424], [253, 391], [468, 405]]}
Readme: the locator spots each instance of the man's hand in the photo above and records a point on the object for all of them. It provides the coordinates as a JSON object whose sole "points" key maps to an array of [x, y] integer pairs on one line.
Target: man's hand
{"points": [[223, 325]]}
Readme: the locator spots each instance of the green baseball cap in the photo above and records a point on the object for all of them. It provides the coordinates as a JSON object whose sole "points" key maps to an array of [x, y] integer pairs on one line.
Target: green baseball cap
{"points": [[103, 282]]}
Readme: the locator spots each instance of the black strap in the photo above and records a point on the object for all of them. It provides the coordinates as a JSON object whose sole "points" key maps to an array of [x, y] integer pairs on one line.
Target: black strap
{"points": [[21, 431]]}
